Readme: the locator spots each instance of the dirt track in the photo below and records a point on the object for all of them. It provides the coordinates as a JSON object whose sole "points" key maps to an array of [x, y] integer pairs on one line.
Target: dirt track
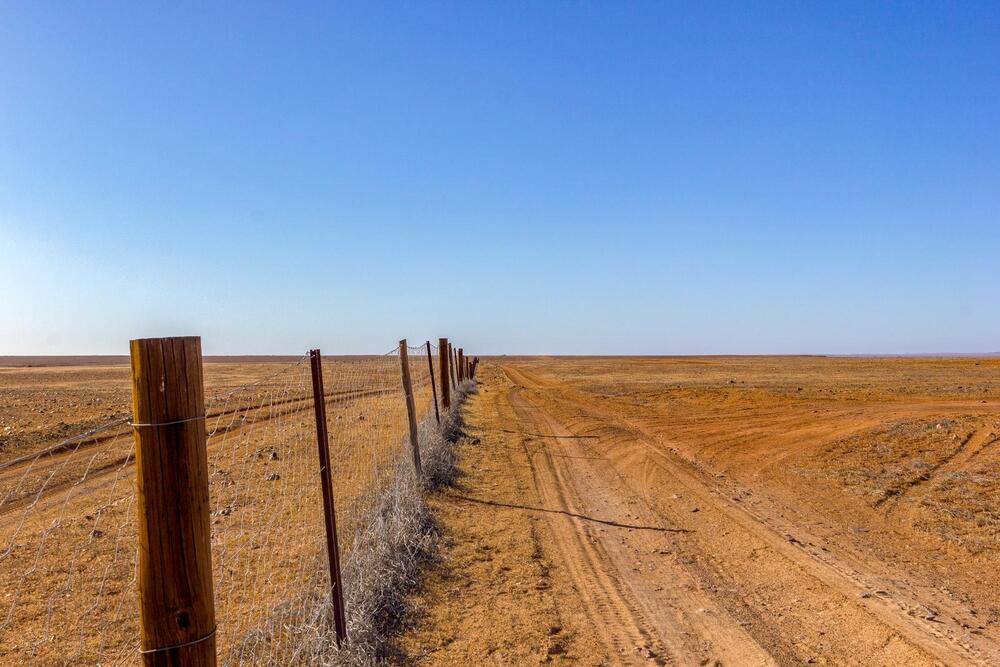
{"points": [[740, 511], [693, 532]]}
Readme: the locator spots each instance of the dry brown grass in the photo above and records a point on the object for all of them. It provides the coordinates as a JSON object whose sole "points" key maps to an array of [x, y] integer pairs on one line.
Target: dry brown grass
{"points": [[67, 519]]}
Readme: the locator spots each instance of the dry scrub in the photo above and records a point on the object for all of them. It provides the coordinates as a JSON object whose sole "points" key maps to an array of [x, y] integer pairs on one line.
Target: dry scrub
{"points": [[399, 537], [395, 537]]}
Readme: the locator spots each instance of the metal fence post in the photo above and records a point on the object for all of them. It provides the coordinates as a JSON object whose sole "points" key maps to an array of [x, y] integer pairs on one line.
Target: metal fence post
{"points": [[326, 481], [454, 366], [444, 370], [434, 391]]}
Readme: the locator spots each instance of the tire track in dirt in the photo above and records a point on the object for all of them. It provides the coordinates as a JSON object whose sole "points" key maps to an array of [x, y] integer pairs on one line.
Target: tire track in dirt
{"points": [[662, 617], [604, 600], [799, 608], [967, 450]]}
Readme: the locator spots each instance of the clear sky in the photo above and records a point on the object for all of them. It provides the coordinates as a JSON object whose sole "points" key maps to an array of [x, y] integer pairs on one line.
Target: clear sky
{"points": [[545, 177]]}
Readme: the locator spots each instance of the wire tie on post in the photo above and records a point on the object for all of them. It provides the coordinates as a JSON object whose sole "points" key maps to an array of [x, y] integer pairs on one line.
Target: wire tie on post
{"points": [[179, 421], [176, 646]]}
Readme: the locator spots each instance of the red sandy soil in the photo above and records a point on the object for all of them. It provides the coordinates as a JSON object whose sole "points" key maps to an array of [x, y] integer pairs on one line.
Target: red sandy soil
{"points": [[722, 511]]}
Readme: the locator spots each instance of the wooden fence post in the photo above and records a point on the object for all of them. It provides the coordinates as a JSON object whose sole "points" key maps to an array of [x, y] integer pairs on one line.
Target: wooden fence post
{"points": [[444, 370], [410, 407], [461, 364], [434, 391], [176, 599], [326, 481]]}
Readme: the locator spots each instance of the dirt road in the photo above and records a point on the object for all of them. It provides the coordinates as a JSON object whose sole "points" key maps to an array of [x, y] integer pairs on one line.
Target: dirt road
{"points": [[648, 556]]}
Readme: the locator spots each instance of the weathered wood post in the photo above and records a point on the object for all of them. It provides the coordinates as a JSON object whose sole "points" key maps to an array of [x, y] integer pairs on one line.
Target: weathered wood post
{"points": [[461, 364], [411, 409], [326, 481], [434, 391], [176, 600], [444, 369]]}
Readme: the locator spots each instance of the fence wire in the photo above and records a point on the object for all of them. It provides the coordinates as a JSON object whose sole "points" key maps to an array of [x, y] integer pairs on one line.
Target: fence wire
{"points": [[68, 550]]}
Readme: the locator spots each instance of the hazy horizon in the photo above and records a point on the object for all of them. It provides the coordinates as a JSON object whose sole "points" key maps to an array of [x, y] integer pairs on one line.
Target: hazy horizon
{"points": [[218, 357], [637, 179]]}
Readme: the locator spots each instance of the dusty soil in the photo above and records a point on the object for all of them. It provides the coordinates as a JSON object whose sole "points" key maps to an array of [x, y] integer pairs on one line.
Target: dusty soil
{"points": [[68, 503], [44, 400], [734, 511]]}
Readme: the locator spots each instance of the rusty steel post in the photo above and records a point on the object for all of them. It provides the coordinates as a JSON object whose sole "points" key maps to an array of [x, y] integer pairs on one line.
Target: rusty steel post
{"points": [[434, 391], [443, 369], [326, 479], [454, 365]]}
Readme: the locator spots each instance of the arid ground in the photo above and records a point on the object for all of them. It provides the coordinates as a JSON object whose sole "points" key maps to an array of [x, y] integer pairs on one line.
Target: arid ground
{"points": [[68, 502], [690, 511], [722, 511]]}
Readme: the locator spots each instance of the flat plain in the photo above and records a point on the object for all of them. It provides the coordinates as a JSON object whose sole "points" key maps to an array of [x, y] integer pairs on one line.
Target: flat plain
{"points": [[68, 532], [687, 510], [722, 511]]}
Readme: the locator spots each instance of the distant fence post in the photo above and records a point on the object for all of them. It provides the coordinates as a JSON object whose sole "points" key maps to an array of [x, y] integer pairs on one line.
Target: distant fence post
{"points": [[326, 481], [461, 364], [176, 599], [410, 407], [444, 370], [434, 391], [454, 366]]}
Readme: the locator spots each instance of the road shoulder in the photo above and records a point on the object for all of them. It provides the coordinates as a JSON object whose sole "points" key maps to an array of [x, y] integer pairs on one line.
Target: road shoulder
{"points": [[491, 597]]}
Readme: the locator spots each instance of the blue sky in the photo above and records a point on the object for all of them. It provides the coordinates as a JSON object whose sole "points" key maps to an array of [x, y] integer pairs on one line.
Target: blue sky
{"points": [[545, 177]]}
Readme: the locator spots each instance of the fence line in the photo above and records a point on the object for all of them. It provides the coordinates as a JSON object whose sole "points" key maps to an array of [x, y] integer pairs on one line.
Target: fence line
{"points": [[69, 560]]}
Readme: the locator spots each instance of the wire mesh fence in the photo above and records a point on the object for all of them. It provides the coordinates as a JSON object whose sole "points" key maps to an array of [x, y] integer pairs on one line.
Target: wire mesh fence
{"points": [[68, 549]]}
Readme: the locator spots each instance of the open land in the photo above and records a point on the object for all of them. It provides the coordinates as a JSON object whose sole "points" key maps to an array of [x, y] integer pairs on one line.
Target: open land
{"points": [[689, 510], [722, 511], [68, 501]]}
